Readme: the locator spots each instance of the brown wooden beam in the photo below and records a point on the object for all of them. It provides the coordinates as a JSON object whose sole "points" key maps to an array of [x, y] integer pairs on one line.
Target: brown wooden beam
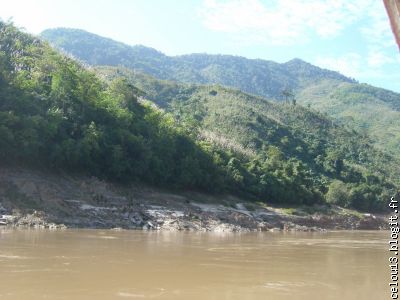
{"points": [[393, 11]]}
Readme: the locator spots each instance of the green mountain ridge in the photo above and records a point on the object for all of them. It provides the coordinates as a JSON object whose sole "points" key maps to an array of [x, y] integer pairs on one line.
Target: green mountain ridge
{"points": [[370, 110], [256, 128], [57, 114], [233, 71]]}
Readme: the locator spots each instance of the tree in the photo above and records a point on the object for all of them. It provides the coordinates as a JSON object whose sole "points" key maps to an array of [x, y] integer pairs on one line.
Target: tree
{"points": [[338, 194], [288, 95]]}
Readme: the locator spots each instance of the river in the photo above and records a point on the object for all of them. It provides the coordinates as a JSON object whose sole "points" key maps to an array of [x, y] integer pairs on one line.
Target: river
{"points": [[106, 264]]}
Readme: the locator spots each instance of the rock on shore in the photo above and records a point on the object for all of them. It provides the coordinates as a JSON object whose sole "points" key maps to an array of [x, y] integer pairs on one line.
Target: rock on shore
{"points": [[41, 200]]}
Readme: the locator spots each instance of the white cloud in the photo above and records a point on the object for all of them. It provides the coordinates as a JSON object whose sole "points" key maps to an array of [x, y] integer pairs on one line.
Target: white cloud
{"points": [[282, 22], [349, 64], [372, 55], [377, 30], [377, 58], [359, 67], [380, 41]]}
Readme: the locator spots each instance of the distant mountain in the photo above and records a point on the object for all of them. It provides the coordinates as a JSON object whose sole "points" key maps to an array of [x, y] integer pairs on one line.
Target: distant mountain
{"points": [[94, 49], [369, 110], [256, 76]]}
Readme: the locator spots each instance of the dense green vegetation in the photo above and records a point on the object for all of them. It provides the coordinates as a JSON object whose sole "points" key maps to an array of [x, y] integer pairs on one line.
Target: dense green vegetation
{"points": [[369, 110], [55, 112], [276, 142]]}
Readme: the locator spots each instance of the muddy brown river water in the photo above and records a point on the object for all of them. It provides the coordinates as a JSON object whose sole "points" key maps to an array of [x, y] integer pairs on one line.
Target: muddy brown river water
{"points": [[106, 264]]}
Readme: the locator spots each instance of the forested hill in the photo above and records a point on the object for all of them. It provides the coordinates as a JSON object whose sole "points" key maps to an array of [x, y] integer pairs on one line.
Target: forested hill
{"points": [[57, 114], [296, 144], [369, 110], [256, 76]]}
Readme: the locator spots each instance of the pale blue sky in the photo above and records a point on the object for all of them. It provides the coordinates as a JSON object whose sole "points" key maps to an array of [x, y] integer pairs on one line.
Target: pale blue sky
{"points": [[352, 37]]}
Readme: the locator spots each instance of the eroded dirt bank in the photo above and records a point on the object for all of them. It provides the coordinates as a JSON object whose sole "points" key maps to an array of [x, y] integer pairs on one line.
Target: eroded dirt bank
{"points": [[42, 200]]}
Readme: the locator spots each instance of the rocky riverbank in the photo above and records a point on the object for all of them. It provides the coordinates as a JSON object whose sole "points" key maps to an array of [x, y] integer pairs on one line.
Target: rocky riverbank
{"points": [[37, 199]]}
